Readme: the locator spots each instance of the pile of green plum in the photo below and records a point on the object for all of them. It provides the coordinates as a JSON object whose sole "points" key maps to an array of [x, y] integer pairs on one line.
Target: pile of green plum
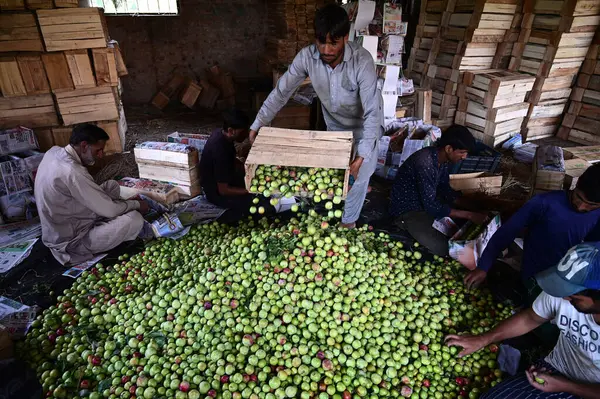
{"points": [[318, 184], [270, 310]]}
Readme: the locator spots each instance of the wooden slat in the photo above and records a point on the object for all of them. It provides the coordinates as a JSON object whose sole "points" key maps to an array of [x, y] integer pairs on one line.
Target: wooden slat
{"points": [[44, 139], [57, 71], [33, 73], [12, 5], [80, 67], [113, 145], [31, 111], [61, 136], [87, 105], [11, 82], [39, 4], [73, 28], [19, 32], [105, 67], [66, 3]]}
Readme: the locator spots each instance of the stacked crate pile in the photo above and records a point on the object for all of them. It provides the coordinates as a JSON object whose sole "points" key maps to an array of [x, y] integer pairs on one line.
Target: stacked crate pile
{"points": [[57, 70], [492, 104], [290, 26], [470, 35], [423, 52], [581, 123], [555, 38]]}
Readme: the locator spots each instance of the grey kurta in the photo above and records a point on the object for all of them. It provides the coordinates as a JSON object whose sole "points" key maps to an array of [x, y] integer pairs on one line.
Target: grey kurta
{"points": [[350, 101], [80, 218]]}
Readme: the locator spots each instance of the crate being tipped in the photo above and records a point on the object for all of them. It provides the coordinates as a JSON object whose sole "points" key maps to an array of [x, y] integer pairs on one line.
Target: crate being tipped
{"points": [[306, 163]]}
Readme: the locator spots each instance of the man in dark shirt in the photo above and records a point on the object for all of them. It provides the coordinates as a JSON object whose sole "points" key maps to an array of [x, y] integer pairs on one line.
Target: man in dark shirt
{"points": [[222, 177], [421, 192]]}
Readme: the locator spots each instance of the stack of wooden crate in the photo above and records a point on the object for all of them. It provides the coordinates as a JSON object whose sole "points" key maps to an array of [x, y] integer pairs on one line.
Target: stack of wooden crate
{"points": [[581, 123], [423, 52], [492, 104], [290, 26], [57, 70], [470, 34], [555, 38]]}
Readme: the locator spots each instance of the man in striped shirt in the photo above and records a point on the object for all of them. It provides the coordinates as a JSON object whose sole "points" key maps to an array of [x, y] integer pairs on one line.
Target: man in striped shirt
{"points": [[571, 299]]}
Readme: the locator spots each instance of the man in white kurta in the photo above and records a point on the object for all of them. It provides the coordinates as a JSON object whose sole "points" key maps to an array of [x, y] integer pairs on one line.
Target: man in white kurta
{"points": [[79, 217]]}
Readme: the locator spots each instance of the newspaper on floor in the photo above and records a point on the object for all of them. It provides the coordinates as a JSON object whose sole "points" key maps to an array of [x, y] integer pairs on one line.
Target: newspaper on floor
{"points": [[197, 210], [77, 270], [16, 317], [17, 232], [12, 255]]}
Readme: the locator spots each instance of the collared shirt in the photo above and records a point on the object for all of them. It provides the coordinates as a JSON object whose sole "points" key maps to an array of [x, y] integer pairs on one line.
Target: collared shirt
{"points": [[423, 184], [69, 202], [347, 92], [553, 227]]}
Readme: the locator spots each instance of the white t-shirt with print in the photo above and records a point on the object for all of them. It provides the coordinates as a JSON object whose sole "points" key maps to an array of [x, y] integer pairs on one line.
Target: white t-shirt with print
{"points": [[577, 352]]}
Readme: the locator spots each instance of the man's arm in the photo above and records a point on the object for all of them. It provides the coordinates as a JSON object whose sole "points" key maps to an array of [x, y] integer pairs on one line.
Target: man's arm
{"points": [[372, 107], [287, 84], [509, 231], [558, 383], [517, 325], [86, 191]]}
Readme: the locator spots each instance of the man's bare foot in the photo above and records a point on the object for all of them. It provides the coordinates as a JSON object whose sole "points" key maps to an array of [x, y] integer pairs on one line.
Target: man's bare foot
{"points": [[348, 225]]}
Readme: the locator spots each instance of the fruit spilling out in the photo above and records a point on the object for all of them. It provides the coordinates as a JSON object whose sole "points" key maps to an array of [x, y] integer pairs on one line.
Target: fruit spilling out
{"points": [[316, 183], [295, 309]]}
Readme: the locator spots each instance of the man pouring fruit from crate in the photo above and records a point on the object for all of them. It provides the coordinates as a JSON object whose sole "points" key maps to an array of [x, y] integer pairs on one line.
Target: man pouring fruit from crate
{"points": [[344, 77]]}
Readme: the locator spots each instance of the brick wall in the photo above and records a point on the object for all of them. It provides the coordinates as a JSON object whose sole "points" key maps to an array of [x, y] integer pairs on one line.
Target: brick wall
{"points": [[230, 33]]}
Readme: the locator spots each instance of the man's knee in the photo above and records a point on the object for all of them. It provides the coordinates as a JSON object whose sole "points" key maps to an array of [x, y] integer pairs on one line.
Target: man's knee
{"points": [[134, 224]]}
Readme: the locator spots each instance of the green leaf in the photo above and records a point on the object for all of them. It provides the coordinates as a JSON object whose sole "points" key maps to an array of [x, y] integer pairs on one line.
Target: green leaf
{"points": [[104, 384]]}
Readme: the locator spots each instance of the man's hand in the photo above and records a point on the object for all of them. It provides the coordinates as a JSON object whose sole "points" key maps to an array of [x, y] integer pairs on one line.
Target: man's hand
{"points": [[478, 218], [551, 383], [252, 136], [475, 278], [469, 343], [144, 207], [355, 166]]}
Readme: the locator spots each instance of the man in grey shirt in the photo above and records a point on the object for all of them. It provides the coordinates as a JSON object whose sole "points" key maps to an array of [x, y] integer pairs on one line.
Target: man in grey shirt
{"points": [[344, 77]]}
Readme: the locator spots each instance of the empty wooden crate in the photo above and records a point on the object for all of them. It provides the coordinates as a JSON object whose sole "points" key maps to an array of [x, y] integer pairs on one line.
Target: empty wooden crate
{"points": [[19, 32], [87, 105], [73, 28]]}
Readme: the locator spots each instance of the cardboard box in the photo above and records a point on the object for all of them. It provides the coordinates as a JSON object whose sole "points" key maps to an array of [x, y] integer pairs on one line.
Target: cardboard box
{"points": [[198, 141], [15, 317], [477, 182], [467, 250]]}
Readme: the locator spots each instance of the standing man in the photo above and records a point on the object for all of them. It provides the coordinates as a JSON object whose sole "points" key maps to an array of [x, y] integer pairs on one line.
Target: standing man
{"points": [[554, 222], [422, 194], [344, 77], [571, 298], [80, 218]]}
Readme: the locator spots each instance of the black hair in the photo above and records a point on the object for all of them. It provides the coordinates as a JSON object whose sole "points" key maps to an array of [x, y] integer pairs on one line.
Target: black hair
{"points": [[589, 183], [331, 20], [235, 118], [89, 133], [458, 137]]}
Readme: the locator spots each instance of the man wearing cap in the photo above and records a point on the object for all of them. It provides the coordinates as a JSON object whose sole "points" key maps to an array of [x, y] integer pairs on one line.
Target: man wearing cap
{"points": [[571, 299]]}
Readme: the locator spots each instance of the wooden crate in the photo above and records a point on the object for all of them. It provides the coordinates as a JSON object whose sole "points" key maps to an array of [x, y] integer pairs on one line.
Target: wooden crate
{"points": [[87, 105], [44, 139], [80, 68], [12, 5], [172, 162], [39, 4], [66, 3], [57, 70], [19, 32], [300, 148], [11, 81], [105, 66], [190, 94], [33, 73], [73, 28], [30, 111], [114, 144]]}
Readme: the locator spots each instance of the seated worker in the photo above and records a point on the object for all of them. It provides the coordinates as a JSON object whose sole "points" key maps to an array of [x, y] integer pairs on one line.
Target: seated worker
{"points": [[221, 175], [80, 218], [421, 192], [554, 222], [571, 298]]}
